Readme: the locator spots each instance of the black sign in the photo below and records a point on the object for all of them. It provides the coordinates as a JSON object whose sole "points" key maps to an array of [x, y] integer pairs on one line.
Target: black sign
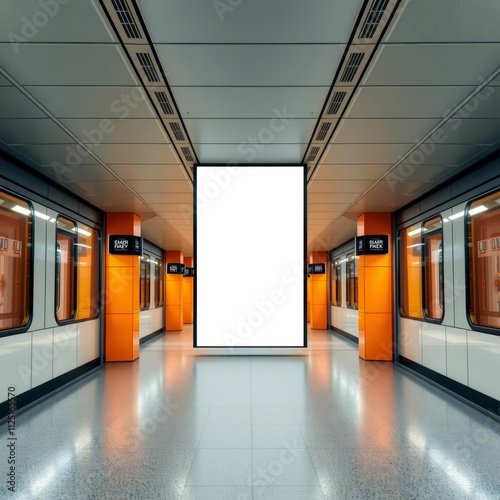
{"points": [[372, 244], [173, 268], [316, 269], [188, 272], [120, 244]]}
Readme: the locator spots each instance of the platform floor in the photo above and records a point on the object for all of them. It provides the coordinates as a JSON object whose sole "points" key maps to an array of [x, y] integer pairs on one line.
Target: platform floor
{"points": [[308, 424]]}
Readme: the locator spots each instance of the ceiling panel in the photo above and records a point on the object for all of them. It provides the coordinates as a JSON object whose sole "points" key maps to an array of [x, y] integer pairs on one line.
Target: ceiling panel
{"points": [[447, 64], [247, 153], [319, 206], [323, 186], [472, 131], [262, 65], [59, 64], [475, 21], [150, 172], [444, 154], [118, 131], [322, 215], [90, 172], [53, 21], [251, 131], [135, 153], [94, 102], [46, 154], [408, 172], [182, 198], [105, 189], [4, 81], [156, 186], [348, 172], [405, 102], [35, 131], [383, 131], [366, 153], [16, 105], [391, 190], [327, 198], [237, 21]]}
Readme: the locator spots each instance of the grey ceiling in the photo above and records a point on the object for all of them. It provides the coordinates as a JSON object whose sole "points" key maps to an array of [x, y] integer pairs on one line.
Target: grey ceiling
{"points": [[427, 105]]}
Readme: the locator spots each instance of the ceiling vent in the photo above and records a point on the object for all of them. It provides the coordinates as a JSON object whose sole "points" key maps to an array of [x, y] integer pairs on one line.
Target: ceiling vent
{"points": [[313, 154], [337, 100], [148, 67], [323, 131], [373, 18], [187, 154], [177, 131], [352, 66], [126, 18], [164, 103]]}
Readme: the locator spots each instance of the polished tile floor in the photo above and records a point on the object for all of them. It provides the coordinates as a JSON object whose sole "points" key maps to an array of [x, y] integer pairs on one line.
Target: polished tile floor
{"points": [[265, 425]]}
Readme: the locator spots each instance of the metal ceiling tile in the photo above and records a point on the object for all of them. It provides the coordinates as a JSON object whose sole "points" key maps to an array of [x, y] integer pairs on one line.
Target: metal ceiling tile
{"points": [[33, 131], [263, 131], [135, 153], [150, 172], [90, 172], [394, 190], [106, 190], [117, 103], [16, 105], [443, 154], [182, 198], [348, 172], [4, 82], [365, 153], [322, 215], [123, 131], [323, 186], [62, 154], [53, 21], [422, 21], [330, 198], [471, 131], [156, 186], [446, 64], [319, 206], [282, 21], [260, 65], [423, 173], [75, 64]]}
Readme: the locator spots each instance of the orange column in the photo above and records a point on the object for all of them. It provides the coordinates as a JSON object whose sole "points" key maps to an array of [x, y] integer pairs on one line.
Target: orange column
{"points": [[188, 292], [122, 275], [375, 295], [319, 298], [174, 316]]}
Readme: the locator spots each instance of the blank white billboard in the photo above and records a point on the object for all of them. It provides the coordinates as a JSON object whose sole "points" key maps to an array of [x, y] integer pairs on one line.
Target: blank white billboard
{"points": [[250, 256]]}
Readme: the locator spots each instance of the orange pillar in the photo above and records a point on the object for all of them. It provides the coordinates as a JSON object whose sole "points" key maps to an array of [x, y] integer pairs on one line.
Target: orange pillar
{"points": [[122, 275], [188, 291], [375, 295], [174, 316], [319, 296]]}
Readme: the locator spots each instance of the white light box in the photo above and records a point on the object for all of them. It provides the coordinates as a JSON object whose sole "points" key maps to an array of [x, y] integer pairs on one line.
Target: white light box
{"points": [[250, 256]]}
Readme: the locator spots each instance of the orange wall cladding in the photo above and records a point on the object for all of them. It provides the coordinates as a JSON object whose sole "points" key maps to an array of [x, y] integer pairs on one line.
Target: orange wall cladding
{"points": [[122, 279], [174, 300], [375, 292], [318, 314], [188, 293]]}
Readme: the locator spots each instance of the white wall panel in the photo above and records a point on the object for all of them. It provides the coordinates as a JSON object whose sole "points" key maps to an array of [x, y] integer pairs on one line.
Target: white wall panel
{"points": [[145, 319], [15, 363], [410, 340], [88, 341], [352, 325], [484, 365], [50, 276], [39, 299], [434, 347], [157, 319], [449, 306], [65, 346], [456, 355], [42, 357]]}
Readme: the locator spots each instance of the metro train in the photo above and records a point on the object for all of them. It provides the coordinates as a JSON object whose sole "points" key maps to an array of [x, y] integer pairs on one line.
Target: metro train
{"points": [[51, 294]]}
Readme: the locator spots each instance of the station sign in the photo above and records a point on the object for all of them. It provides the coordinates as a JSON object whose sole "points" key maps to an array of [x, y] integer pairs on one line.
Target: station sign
{"points": [[188, 272], [175, 268], [372, 244], [317, 269], [119, 244]]}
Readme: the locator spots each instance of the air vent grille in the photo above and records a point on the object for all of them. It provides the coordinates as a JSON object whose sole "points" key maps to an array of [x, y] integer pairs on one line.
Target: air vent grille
{"points": [[314, 152], [187, 153], [164, 103], [373, 18], [147, 65], [177, 131], [325, 127], [352, 66], [337, 100], [126, 18]]}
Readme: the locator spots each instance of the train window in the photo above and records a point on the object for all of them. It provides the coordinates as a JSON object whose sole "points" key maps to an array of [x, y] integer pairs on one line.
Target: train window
{"points": [[15, 262], [432, 238], [66, 269], [351, 282], [337, 283], [158, 283], [87, 272], [145, 290], [483, 228], [410, 286]]}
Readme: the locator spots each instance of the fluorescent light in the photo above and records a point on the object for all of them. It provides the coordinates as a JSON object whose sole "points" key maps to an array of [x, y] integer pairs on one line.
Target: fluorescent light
{"points": [[415, 231], [42, 216], [478, 210], [456, 216], [21, 210], [82, 231]]}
